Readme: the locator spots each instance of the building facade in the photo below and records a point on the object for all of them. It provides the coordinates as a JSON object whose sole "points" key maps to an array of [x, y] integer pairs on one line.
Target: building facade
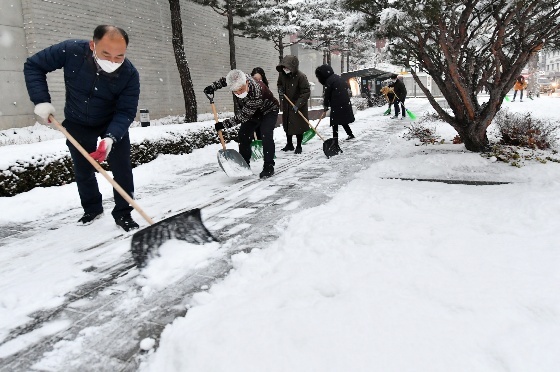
{"points": [[28, 26]]}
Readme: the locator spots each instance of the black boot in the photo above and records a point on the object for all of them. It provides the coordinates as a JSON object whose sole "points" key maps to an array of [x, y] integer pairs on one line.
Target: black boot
{"points": [[268, 170], [289, 147], [299, 142], [289, 144]]}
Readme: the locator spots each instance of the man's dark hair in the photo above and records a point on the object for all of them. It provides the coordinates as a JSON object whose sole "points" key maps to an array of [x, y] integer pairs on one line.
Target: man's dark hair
{"points": [[101, 30]]}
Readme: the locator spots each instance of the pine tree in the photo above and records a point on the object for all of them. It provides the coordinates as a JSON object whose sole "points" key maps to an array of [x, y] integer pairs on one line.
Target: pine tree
{"points": [[465, 46], [230, 9], [275, 20]]}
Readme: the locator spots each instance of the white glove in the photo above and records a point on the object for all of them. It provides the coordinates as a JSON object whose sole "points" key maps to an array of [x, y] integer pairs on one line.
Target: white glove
{"points": [[103, 150], [43, 110]]}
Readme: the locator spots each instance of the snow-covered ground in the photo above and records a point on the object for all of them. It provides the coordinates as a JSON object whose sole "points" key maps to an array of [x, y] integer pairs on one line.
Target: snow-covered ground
{"points": [[389, 275]]}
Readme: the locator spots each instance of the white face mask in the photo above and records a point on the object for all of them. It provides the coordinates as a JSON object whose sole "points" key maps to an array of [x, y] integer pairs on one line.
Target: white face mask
{"points": [[105, 65], [287, 71], [242, 95]]}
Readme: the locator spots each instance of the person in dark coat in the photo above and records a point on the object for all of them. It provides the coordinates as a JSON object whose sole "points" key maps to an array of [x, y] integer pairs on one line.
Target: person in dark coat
{"points": [[102, 91], [258, 108], [259, 74], [294, 84], [337, 98], [400, 95]]}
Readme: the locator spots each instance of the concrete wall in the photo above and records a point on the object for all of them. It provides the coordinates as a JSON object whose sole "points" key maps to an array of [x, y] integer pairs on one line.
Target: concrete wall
{"points": [[15, 108], [28, 26]]}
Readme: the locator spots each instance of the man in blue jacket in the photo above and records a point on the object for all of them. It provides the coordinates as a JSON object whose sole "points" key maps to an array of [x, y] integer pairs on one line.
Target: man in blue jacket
{"points": [[102, 91]]}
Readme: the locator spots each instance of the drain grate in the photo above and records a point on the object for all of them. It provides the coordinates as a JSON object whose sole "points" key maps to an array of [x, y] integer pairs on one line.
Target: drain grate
{"points": [[452, 182]]}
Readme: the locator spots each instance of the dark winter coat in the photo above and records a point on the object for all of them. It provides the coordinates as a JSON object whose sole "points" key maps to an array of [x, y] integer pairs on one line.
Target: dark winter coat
{"points": [[399, 89], [296, 86], [336, 95], [258, 102], [93, 97]]}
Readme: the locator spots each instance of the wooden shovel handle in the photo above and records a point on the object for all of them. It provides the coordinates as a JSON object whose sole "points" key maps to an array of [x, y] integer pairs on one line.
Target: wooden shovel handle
{"points": [[100, 169], [304, 118], [220, 135], [319, 122]]}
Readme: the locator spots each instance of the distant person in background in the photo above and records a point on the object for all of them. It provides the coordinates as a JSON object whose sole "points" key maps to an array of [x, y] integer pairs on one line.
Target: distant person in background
{"points": [[294, 84], [258, 74], [400, 95], [337, 99], [389, 94], [102, 91], [520, 85]]}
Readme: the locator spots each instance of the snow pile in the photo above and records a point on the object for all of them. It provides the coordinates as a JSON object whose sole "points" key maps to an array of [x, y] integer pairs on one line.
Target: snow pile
{"points": [[394, 276], [179, 255]]}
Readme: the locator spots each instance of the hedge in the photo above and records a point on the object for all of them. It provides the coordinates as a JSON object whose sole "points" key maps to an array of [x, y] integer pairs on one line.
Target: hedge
{"points": [[56, 169]]}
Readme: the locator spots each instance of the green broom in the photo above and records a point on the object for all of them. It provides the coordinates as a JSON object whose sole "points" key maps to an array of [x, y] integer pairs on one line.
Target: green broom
{"points": [[310, 133], [410, 114]]}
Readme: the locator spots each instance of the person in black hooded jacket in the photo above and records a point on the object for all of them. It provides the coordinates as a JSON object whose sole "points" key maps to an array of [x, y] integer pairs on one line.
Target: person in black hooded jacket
{"points": [[400, 95], [337, 98]]}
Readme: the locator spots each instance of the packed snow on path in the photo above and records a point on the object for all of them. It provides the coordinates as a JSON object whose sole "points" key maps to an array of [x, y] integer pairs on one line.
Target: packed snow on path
{"points": [[394, 275]]}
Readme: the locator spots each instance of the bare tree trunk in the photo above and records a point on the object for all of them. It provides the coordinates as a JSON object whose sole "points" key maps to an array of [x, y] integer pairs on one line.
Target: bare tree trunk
{"points": [[231, 36], [532, 85], [341, 62], [182, 63], [280, 48]]}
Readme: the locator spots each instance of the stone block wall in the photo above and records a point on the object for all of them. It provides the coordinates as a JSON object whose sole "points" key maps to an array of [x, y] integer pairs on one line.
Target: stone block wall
{"points": [[28, 26]]}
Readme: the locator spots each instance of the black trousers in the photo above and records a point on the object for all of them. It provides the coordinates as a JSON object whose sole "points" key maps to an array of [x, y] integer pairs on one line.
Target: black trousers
{"points": [[119, 163], [400, 103], [335, 129], [266, 124]]}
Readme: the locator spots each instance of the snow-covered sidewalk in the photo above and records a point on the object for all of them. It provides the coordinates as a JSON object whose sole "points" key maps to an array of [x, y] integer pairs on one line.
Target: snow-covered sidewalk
{"points": [[379, 275]]}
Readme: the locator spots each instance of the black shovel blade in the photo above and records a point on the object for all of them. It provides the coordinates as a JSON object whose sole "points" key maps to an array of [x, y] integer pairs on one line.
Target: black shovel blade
{"points": [[185, 226], [331, 148]]}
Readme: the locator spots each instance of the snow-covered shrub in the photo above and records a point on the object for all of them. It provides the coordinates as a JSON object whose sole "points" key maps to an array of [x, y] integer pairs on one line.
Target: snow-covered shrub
{"points": [[359, 103], [424, 134], [429, 117], [519, 156], [56, 169], [524, 130]]}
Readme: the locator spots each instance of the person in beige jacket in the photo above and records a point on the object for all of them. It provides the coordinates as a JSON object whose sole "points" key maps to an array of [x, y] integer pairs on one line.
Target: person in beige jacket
{"points": [[294, 84]]}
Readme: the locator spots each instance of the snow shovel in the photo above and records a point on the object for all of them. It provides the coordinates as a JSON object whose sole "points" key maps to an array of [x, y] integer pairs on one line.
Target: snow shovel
{"points": [[145, 243], [330, 146], [256, 149], [231, 162], [507, 98], [387, 112], [310, 133]]}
